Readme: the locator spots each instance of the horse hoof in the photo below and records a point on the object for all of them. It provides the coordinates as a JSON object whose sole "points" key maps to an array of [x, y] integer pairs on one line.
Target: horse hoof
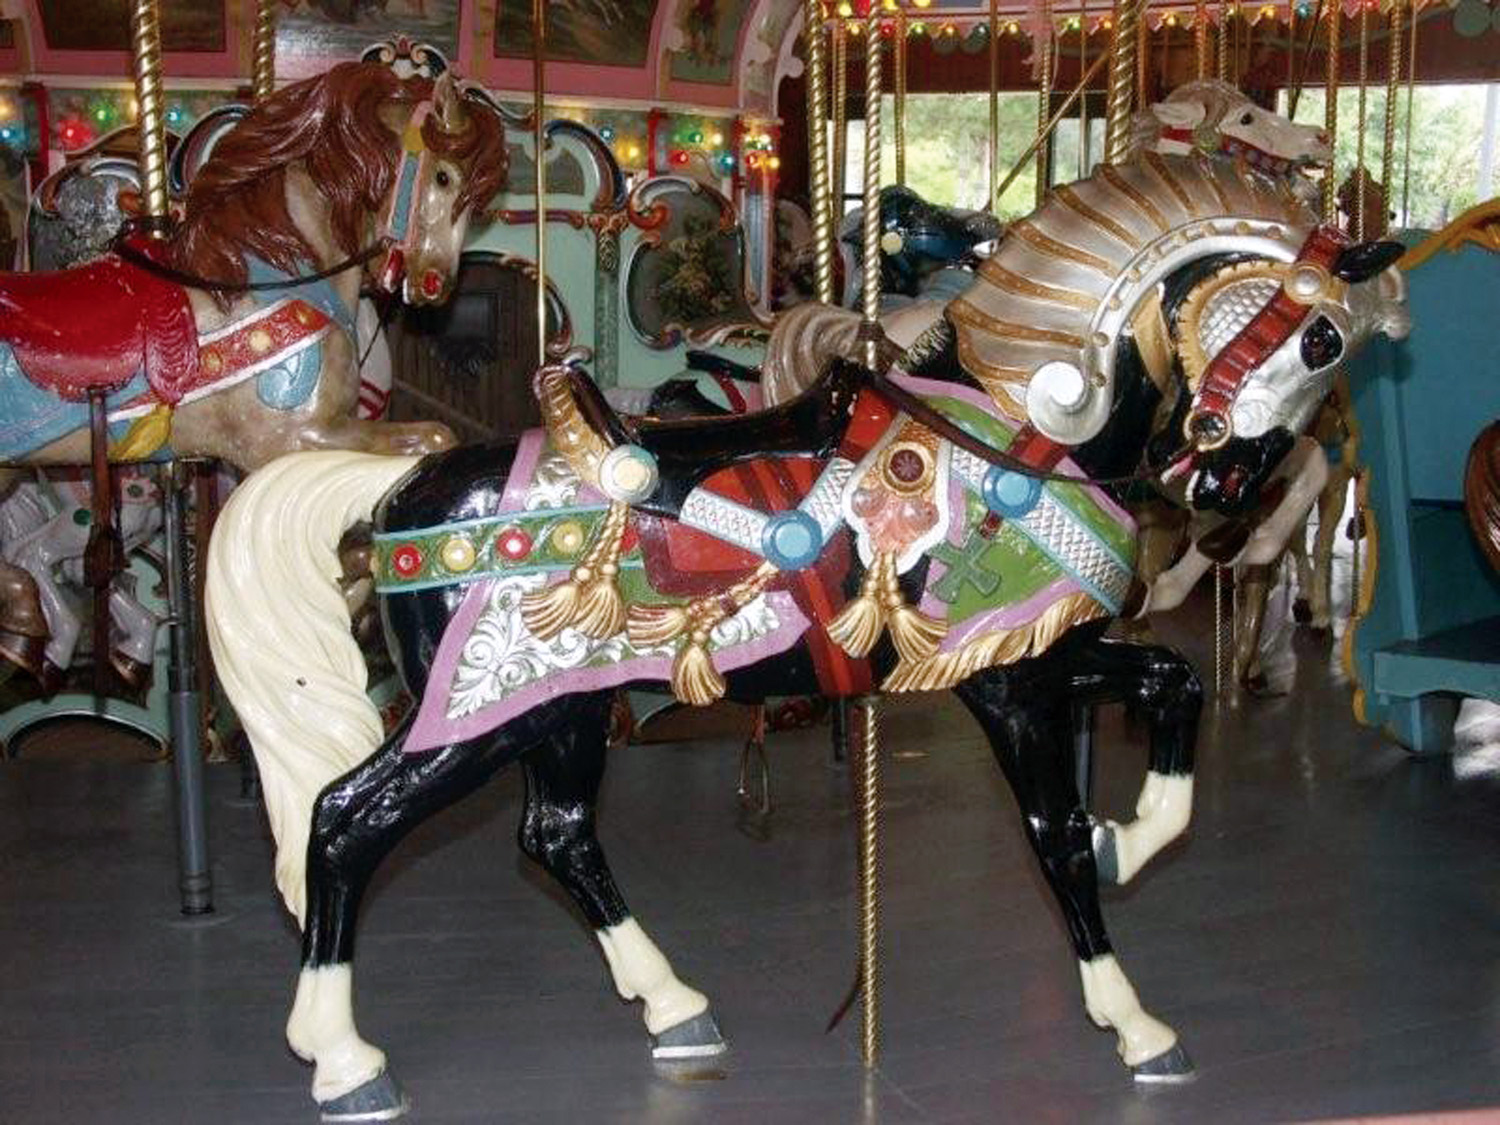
{"points": [[694, 1038], [379, 1099], [1106, 862], [1172, 1065]]}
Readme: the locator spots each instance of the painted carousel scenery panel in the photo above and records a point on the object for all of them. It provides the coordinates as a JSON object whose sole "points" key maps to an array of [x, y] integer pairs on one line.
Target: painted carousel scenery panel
{"points": [[104, 25], [601, 32], [707, 34], [311, 34]]}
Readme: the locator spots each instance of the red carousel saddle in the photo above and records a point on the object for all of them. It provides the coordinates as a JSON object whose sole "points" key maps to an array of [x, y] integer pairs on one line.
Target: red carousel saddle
{"points": [[97, 325]]}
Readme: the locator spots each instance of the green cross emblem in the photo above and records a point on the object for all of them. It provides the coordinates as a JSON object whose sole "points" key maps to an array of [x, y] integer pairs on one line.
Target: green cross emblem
{"points": [[965, 567]]}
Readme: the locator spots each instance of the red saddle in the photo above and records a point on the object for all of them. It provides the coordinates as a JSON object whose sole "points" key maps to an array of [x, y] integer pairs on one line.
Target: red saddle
{"points": [[97, 325]]}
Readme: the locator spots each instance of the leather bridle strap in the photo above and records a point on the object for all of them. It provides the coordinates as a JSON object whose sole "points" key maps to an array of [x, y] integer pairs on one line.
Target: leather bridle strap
{"points": [[1308, 278]]}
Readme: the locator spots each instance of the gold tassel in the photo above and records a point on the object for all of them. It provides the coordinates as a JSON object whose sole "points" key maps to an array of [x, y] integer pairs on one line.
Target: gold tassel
{"points": [[695, 680], [651, 625], [916, 634], [589, 600], [146, 435], [880, 605]]}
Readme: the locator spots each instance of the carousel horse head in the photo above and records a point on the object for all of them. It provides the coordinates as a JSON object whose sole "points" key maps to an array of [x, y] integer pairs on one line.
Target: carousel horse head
{"points": [[1216, 118], [1260, 344], [357, 157], [918, 238]]}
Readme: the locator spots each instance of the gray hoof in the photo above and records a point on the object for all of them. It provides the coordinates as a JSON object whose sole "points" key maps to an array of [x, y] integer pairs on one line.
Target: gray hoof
{"points": [[1172, 1065], [379, 1099], [695, 1038], [1105, 861]]}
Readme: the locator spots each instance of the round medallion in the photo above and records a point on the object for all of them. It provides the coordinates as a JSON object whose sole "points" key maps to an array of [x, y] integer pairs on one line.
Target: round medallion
{"points": [[1207, 430], [791, 540], [260, 341], [212, 361], [908, 467], [305, 316], [628, 474], [567, 537], [513, 544], [406, 560], [1010, 494], [1306, 282], [457, 554]]}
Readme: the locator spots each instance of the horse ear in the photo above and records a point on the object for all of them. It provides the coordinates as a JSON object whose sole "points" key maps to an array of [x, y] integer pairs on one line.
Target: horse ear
{"points": [[1181, 114], [1365, 260], [448, 103]]}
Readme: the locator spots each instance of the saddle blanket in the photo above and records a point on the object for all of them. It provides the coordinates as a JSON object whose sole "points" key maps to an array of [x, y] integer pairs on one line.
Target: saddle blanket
{"points": [[1005, 585]]}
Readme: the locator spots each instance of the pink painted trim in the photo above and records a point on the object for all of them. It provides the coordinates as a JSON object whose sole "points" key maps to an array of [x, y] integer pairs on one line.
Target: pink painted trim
{"points": [[432, 728], [522, 469]]}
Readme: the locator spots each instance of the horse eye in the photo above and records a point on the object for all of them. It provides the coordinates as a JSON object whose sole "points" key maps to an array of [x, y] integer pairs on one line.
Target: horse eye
{"points": [[442, 178], [1249, 118], [1321, 344]]}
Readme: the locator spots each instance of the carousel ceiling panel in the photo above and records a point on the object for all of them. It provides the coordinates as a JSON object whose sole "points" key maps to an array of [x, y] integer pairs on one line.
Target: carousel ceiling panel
{"points": [[597, 32], [310, 34]]}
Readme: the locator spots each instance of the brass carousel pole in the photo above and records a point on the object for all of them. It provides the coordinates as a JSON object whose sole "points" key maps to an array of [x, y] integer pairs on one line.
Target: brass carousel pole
{"points": [[1200, 39], [817, 151], [1411, 84], [195, 881], [1223, 41], [539, 134], [1392, 94], [1083, 106], [840, 96], [869, 788], [1043, 106], [1038, 146], [1331, 112], [1142, 57], [1361, 177], [994, 103], [1122, 78], [263, 66], [900, 98]]}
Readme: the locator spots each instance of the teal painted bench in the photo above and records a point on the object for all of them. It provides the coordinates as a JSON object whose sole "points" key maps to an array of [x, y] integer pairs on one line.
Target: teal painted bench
{"points": [[1430, 627]]}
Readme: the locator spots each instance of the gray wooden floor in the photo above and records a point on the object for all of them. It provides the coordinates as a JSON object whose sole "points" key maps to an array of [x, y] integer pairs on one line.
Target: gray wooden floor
{"points": [[1326, 942]]}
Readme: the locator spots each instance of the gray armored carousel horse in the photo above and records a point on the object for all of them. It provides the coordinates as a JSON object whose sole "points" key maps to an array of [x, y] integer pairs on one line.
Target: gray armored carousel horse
{"points": [[949, 522]]}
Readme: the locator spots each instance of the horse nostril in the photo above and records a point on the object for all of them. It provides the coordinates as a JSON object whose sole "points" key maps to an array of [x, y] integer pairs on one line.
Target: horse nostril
{"points": [[432, 283]]}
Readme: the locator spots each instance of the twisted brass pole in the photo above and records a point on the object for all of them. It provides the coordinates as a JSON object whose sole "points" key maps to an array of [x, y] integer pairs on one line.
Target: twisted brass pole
{"points": [[840, 118], [1392, 92], [900, 98], [1122, 77], [1043, 111], [1331, 113], [869, 858], [145, 61], [1038, 145], [994, 102], [263, 65], [1083, 106], [1142, 58], [1223, 44], [539, 134], [869, 797], [1200, 38], [1361, 177], [1411, 83], [817, 151]]}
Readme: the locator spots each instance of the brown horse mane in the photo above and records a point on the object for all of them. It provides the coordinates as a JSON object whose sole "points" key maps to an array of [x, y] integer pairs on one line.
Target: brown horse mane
{"points": [[332, 125]]}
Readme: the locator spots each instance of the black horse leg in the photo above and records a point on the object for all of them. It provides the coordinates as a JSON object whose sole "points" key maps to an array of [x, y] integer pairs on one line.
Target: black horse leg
{"points": [[1163, 686], [557, 831], [1027, 715], [356, 821]]}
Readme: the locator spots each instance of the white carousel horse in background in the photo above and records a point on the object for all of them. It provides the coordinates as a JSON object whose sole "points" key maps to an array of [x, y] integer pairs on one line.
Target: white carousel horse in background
{"points": [[44, 530]]}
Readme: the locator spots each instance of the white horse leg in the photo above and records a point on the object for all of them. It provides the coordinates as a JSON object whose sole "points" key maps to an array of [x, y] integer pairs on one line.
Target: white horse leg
{"points": [[321, 1031], [1162, 813], [671, 1009], [1146, 1045]]}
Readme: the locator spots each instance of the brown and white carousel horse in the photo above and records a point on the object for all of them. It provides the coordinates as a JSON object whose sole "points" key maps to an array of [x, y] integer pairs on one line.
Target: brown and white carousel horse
{"points": [[234, 336]]}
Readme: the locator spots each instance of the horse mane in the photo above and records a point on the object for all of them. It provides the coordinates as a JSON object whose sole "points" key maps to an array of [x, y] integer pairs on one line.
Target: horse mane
{"points": [[332, 126]]}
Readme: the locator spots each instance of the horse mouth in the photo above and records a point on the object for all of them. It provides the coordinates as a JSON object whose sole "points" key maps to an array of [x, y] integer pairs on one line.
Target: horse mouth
{"points": [[1261, 160]]}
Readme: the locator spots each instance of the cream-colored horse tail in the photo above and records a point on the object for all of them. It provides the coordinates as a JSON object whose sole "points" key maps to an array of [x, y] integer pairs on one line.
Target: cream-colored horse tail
{"points": [[279, 628]]}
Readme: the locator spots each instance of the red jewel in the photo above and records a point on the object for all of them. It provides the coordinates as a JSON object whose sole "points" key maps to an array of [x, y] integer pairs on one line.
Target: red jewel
{"points": [[407, 559], [514, 544], [907, 466], [629, 539]]}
